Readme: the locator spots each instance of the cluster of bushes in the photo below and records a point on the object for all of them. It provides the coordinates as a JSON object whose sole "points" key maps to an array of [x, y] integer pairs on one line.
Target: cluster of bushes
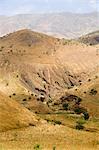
{"points": [[80, 125], [93, 92], [70, 102], [14, 94], [82, 110], [65, 106], [37, 147], [54, 121]]}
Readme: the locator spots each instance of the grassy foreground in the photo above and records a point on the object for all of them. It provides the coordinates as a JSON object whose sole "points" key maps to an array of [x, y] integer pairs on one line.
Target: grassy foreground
{"points": [[56, 133]]}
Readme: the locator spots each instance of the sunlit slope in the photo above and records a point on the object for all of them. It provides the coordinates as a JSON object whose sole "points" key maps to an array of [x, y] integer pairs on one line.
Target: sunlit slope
{"points": [[35, 65], [13, 115]]}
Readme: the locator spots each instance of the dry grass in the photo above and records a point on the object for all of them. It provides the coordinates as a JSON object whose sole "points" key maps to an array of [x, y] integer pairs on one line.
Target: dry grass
{"points": [[49, 135], [45, 64], [13, 115]]}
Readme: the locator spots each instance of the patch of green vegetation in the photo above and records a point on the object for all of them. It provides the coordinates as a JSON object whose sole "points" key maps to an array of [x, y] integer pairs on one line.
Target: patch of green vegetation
{"points": [[78, 110], [80, 124], [37, 147], [57, 122], [65, 106], [54, 148], [86, 115], [54, 121]]}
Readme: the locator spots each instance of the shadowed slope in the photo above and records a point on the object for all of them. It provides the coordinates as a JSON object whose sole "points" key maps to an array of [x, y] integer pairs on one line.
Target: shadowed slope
{"points": [[92, 38]]}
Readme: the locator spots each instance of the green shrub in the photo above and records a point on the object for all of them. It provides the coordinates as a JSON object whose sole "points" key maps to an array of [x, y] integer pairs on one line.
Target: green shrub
{"points": [[86, 115], [54, 148], [57, 122], [78, 110], [37, 147], [80, 125], [65, 106]]}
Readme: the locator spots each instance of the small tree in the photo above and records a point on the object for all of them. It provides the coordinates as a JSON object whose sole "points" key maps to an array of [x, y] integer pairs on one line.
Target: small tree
{"points": [[65, 106], [37, 147], [86, 115], [93, 92], [80, 124], [78, 110], [54, 148]]}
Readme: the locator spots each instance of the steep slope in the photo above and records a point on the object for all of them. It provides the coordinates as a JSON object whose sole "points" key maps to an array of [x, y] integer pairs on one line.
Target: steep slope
{"points": [[34, 64], [89, 93], [13, 115], [66, 25]]}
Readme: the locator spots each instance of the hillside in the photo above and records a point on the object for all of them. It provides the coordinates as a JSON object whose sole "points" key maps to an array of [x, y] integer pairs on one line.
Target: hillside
{"points": [[36, 66], [66, 25], [91, 39], [47, 86], [13, 115]]}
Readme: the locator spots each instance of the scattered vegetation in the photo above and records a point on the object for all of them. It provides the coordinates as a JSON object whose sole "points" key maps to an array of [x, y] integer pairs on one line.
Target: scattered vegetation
{"points": [[1, 49], [54, 148], [80, 125], [78, 110], [14, 94], [82, 110], [29, 98], [37, 147], [17, 76], [65, 106], [89, 80], [93, 92], [86, 115], [24, 99], [58, 122]]}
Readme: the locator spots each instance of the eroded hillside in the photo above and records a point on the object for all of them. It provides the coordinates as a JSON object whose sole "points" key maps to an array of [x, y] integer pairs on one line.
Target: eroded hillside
{"points": [[40, 67]]}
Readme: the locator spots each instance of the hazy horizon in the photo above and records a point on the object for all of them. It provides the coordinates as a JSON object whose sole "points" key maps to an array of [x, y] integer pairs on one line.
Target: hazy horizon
{"points": [[10, 8]]}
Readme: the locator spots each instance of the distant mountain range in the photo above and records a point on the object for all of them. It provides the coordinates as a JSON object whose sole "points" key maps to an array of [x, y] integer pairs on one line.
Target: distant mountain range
{"points": [[64, 25]]}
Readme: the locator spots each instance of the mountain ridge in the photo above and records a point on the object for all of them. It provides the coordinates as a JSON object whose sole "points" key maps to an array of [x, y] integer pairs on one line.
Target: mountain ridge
{"points": [[63, 25]]}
